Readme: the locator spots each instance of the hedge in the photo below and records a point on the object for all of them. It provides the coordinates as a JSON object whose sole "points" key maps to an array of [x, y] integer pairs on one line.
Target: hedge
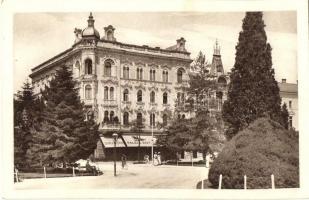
{"points": [[262, 149]]}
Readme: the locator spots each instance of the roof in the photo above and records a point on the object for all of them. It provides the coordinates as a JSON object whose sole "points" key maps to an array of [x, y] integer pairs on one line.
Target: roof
{"points": [[288, 87]]}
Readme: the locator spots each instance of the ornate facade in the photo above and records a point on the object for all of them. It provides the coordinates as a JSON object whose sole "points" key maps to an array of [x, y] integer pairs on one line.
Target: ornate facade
{"points": [[121, 82]]}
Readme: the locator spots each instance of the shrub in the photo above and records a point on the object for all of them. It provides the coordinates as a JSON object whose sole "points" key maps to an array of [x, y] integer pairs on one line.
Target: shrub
{"points": [[262, 149]]}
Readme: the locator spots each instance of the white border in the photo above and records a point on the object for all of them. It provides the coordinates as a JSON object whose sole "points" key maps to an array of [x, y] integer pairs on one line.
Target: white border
{"points": [[9, 7]]}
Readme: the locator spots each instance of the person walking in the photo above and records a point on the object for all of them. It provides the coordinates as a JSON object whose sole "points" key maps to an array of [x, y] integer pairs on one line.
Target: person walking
{"points": [[159, 158], [123, 161]]}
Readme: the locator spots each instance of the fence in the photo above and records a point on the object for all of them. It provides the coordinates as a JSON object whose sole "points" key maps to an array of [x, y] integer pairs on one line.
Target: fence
{"points": [[271, 180], [43, 173]]}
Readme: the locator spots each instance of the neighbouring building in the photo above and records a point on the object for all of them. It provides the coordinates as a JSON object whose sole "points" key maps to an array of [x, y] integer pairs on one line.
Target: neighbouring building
{"points": [[289, 96]]}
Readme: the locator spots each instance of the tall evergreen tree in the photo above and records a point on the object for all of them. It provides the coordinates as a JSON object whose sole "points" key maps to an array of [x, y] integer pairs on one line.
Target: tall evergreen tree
{"points": [[27, 109], [253, 90], [64, 135]]}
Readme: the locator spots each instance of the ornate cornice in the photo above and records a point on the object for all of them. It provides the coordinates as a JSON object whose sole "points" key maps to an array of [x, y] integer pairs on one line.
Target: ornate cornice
{"points": [[153, 65]]}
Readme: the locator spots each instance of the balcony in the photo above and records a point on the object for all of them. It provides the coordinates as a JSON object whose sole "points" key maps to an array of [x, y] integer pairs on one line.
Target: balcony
{"points": [[110, 103], [109, 79], [88, 77], [89, 101]]}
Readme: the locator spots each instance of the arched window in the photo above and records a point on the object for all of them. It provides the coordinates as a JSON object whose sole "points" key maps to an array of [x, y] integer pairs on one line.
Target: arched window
{"points": [[105, 93], [107, 68], [180, 75], [88, 91], [139, 118], [88, 66], [152, 75], [139, 74], [105, 119], [126, 118], [77, 66], [152, 119], [126, 72], [126, 95], [164, 98], [111, 116], [139, 96], [183, 116], [111, 93], [164, 119], [152, 97], [165, 76]]}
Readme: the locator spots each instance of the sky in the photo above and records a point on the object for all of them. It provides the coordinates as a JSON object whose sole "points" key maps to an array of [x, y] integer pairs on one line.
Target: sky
{"points": [[40, 36]]}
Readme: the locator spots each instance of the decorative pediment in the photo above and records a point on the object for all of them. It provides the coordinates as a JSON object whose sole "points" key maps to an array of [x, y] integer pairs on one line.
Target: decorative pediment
{"points": [[126, 85], [126, 62], [153, 65], [153, 110], [153, 88], [165, 89], [166, 67], [140, 109], [140, 64], [127, 109], [140, 87], [110, 80]]}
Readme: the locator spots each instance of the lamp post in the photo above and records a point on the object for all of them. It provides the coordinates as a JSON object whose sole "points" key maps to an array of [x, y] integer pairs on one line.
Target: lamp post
{"points": [[115, 136]]}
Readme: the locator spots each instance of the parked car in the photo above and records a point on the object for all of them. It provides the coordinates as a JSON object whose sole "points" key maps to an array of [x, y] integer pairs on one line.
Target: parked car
{"points": [[86, 166]]}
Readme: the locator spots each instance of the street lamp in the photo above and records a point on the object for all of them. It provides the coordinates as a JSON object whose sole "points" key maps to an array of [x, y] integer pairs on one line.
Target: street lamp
{"points": [[115, 136]]}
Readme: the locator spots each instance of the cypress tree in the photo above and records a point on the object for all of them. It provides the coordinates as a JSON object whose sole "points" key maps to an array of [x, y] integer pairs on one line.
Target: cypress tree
{"points": [[65, 135], [253, 90]]}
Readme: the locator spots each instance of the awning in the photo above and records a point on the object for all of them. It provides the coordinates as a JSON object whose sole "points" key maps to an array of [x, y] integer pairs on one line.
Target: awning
{"points": [[108, 142], [145, 141]]}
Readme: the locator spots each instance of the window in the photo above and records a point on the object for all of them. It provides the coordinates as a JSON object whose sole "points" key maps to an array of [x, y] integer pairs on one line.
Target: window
{"points": [[290, 121], [152, 97], [139, 96], [290, 104], [126, 72], [194, 154], [139, 118], [111, 93], [179, 75], [88, 91], [152, 119], [183, 117], [77, 66], [105, 119], [164, 98], [139, 74], [165, 76], [105, 93], [88, 66], [152, 75], [164, 119], [107, 69], [126, 95], [126, 118], [90, 115], [111, 116]]}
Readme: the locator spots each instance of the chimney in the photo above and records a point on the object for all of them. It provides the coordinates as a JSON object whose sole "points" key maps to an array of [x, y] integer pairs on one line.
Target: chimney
{"points": [[283, 80]]}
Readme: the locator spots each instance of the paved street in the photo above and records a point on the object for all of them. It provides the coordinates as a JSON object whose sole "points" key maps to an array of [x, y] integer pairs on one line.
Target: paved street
{"points": [[137, 176]]}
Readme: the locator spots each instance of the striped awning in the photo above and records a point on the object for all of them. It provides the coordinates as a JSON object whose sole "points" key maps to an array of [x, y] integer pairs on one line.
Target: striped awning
{"points": [[132, 140], [108, 142]]}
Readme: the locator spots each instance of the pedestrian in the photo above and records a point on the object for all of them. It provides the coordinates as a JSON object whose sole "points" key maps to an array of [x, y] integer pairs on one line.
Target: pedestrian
{"points": [[155, 159], [146, 158], [159, 158], [123, 161]]}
